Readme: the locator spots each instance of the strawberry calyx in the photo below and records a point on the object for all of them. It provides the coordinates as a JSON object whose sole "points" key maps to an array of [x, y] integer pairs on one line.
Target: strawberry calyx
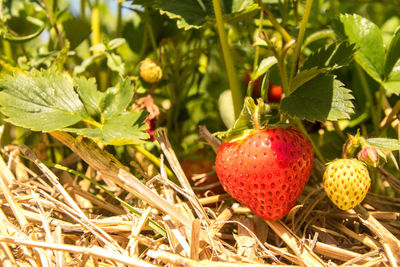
{"points": [[252, 119]]}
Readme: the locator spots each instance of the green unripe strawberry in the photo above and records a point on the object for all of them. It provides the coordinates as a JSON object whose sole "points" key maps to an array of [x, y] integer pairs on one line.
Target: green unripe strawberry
{"points": [[346, 182], [150, 71]]}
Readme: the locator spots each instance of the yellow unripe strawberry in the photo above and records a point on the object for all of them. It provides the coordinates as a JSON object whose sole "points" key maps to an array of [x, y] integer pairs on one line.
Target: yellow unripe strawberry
{"points": [[346, 182], [150, 71]]}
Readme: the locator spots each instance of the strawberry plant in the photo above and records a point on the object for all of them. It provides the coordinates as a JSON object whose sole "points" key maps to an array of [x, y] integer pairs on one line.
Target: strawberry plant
{"points": [[300, 103]]}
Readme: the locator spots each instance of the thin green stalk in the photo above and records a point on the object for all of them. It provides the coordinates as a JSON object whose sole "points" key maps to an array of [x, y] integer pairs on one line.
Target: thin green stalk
{"points": [[7, 49], [237, 95], [300, 39], [150, 222], [151, 33], [95, 23], [367, 93], [93, 123], [83, 8], [119, 19], [316, 149], [155, 161], [381, 95], [257, 52], [286, 36]]}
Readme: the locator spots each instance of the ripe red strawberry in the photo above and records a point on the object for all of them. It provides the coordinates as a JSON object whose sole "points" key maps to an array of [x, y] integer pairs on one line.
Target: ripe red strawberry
{"points": [[267, 170], [274, 93]]}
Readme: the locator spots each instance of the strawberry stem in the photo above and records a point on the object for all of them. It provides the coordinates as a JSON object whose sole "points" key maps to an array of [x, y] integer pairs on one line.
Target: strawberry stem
{"points": [[256, 118]]}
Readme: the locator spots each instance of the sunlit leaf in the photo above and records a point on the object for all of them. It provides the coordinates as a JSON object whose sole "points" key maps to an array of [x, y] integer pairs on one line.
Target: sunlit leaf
{"points": [[320, 99]]}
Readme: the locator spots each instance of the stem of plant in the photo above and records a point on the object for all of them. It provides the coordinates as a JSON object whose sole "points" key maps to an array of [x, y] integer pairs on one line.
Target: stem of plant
{"points": [[95, 23], [257, 52], [237, 95], [316, 149], [119, 20], [83, 7], [286, 36], [367, 92], [300, 39], [151, 33]]}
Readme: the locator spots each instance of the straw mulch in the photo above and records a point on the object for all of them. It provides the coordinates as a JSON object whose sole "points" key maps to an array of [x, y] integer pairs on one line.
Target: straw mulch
{"points": [[50, 216]]}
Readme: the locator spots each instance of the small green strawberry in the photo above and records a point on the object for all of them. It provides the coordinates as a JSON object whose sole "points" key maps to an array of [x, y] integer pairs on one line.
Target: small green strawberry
{"points": [[150, 71], [346, 182]]}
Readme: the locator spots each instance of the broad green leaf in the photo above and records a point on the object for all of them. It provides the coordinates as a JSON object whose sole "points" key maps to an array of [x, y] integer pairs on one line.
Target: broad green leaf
{"points": [[304, 76], [75, 36], [384, 143], [194, 13], [87, 90], [115, 63], [321, 34], [123, 129], [241, 11], [116, 99], [115, 43], [188, 13], [320, 99], [392, 84], [334, 56], [264, 66], [368, 41], [393, 53], [43, 101], [31, 27]]}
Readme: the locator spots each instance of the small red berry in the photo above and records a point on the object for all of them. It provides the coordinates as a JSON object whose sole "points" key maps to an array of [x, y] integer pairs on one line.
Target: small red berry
{"points": [[267, 170], [274, 93]]}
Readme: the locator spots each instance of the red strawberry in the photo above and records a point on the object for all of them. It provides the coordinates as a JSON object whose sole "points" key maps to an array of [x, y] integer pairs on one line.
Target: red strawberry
{"points": [[274, 93], [267, 170]]}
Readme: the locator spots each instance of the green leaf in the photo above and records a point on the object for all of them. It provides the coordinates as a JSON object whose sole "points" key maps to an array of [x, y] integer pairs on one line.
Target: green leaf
{"points": [[392, 84], [393, 53], [115, 43], [75, 36], [194, 13], [47, 101], [115, 63], [320, 99], [42, 101], [334, 56], [123, 129], [321, 34], [87, 90], [304, 76], [368, 40], [264, 66], [189, 13], [252, 116], [116, 99], [384, 143]]}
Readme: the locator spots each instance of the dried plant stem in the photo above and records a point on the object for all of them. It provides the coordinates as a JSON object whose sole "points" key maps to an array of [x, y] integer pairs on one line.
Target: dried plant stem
{"points": [[308, 257], [15, 207], [377, 228], [178, 260], [93, 251]]}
